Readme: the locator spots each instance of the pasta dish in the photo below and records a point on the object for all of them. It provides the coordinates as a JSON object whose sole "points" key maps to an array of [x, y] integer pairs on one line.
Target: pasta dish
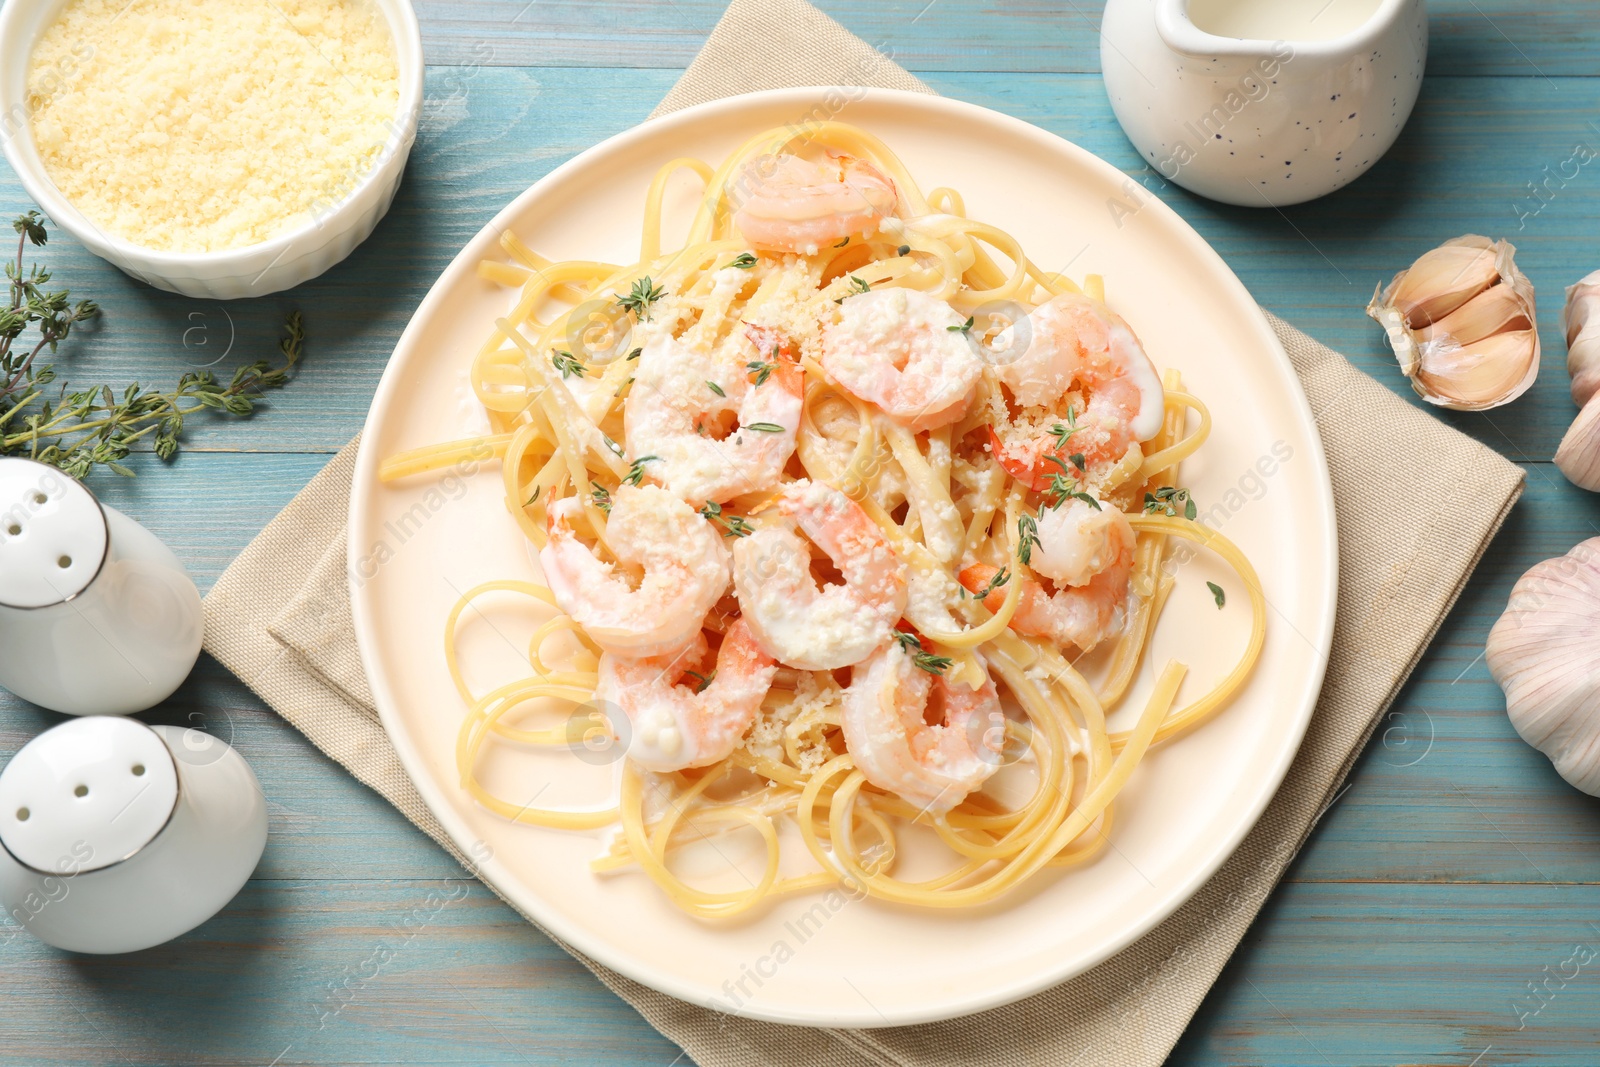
{"points": [[830, 504]]}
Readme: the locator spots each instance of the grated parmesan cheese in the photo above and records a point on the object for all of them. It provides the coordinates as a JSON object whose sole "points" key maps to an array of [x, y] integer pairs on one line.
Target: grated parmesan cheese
{"points": [[201, 125]]}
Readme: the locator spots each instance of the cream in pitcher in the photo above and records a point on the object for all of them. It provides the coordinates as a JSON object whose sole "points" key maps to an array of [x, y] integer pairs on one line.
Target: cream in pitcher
{"points": [[1263, 102]]}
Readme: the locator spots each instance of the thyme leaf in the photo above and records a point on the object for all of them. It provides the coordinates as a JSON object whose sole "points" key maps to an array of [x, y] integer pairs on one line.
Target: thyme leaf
{"points": [[1027, 538], [568, 364], [1168, 499], [635, 473], [641, 296], [77, 430], [1001, 577], [733, 525], [921, 659], [857, 287]]}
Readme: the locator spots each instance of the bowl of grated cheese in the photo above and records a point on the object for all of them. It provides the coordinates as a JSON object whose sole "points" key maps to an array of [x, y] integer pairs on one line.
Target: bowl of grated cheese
{"points": [[215, 148]]}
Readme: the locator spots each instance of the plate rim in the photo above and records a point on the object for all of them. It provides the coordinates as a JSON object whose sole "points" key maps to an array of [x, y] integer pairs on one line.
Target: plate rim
{"points": [[551, 921]]}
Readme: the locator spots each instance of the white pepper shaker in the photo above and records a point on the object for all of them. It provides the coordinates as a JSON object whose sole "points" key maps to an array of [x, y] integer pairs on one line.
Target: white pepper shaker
{"points": [[120, 836], [97, 616]]}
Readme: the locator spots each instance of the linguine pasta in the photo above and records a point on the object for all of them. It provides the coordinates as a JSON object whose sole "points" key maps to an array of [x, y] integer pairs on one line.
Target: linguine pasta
{"points": [[943, 485]]}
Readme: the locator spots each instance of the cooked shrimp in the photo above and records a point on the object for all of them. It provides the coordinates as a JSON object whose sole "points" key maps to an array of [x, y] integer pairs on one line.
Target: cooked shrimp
{"points": [[709, 428], [1088, 556], [676, 726], [790, 204], [685, 569], [797, 622], [886, 716], [1075, 340], [904, 351]]}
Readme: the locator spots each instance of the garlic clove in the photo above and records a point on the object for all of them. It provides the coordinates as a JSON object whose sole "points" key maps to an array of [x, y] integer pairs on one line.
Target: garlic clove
{"points": [[1580, 320], [1482, 375], [1461, 322], [1579, 454], [1545, 654], [1444, 279], [1497, 309]]}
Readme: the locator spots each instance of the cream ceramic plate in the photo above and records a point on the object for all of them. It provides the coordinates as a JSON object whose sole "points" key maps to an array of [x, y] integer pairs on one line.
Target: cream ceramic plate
{"points": [[835, 961]]}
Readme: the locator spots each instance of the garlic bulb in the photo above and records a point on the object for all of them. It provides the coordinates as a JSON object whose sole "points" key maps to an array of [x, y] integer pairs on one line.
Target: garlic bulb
{"points": [[1578, 457], [1580, 321], [1545, 653], [1461, 323], [1579, 454]]}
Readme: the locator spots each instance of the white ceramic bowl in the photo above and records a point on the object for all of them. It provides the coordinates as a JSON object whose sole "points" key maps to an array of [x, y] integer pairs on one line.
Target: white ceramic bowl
{"points": [[254, 270]]}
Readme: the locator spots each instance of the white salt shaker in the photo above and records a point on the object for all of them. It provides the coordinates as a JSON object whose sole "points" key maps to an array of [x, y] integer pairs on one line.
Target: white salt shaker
{"points": [[97, 616], [120, 836]]}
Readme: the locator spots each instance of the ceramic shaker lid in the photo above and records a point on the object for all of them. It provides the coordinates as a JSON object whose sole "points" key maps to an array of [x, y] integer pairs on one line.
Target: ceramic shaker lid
{"points": [[52, 535], [86, 794]]}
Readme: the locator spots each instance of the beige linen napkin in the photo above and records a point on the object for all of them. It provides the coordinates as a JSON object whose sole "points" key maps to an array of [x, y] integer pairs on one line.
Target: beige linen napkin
{"points": [[279, 618]]}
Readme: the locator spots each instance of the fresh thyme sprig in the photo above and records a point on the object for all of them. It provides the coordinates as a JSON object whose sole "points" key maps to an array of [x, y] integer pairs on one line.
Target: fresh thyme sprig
{"points": [[921, 659], [568, 364], [733, 525], [635, 473], [744, 261], [857, 287], [715, 388], [1167, 500], [78, 430], [1001, 577], [965, 327], [1064, 487], [1027, 538], [1217, 594], [641, 296], [762, 370], [1064, 432]]}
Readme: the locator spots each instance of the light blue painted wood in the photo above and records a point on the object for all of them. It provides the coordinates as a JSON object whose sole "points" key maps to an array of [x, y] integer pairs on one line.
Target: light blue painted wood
{"points": [[1514, 38], [1450, 874]]}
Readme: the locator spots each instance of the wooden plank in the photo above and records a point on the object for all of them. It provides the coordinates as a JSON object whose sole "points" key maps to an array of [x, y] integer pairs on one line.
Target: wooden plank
{"points": [[1463, 166], [1359, 974], [349, 971], [437, 971], [1517, 38]]}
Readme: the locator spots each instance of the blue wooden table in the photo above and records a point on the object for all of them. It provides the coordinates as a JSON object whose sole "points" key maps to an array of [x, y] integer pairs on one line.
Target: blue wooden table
{"points": [[1428, 920]]}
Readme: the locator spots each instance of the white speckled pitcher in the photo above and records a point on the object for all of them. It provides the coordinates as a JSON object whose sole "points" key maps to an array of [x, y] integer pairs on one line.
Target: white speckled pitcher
{"points": [[1263, 102]]}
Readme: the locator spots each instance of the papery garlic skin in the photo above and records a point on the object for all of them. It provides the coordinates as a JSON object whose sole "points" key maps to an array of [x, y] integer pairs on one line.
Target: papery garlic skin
{"points": [[1580, 321], [1545, 654], [1579, 455], [1462, 323]]}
